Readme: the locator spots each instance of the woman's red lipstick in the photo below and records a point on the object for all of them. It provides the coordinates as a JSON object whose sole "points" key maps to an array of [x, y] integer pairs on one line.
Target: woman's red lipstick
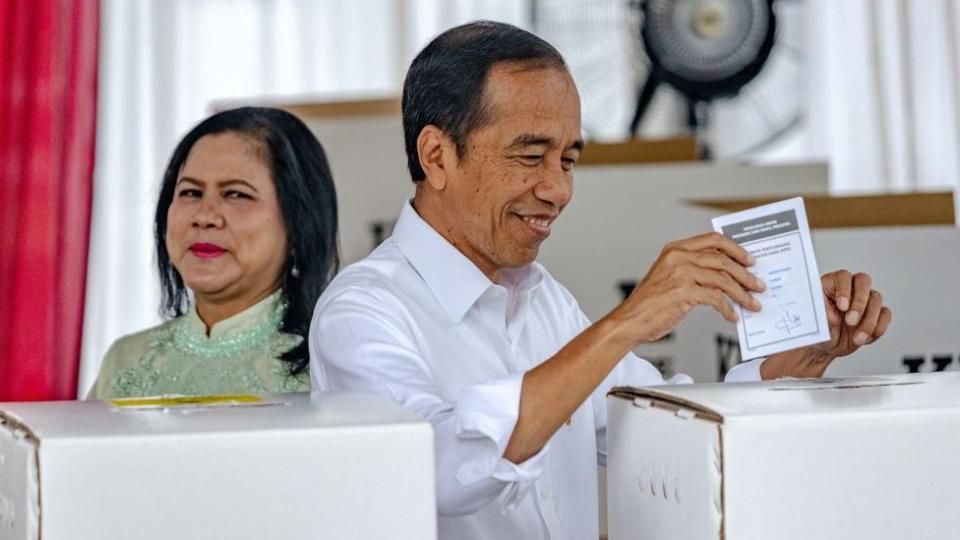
{"points": [[206, 250]]}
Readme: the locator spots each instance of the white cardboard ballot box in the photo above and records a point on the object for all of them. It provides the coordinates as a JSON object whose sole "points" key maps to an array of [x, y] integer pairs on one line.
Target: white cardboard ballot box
{"points": [[858, 458], [304, 466]]}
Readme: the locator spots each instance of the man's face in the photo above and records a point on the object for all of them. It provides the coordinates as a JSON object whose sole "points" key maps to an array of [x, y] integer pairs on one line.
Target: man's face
{"points": [[517, 172]]}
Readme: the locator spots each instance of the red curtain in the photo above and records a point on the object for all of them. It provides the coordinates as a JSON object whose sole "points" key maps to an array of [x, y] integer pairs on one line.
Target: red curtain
{"points": [[48, 83]]}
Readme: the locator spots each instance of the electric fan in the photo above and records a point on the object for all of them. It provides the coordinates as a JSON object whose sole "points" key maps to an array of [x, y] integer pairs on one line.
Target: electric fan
{"points": [[727, 71]]}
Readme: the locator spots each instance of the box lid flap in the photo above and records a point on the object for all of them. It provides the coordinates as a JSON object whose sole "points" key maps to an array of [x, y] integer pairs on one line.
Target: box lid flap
{"points": [[918, 391], [86, 419]]}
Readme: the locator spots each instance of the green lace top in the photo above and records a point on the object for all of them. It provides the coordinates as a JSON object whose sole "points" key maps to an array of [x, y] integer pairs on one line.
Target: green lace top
{"points": [[240, 356]]}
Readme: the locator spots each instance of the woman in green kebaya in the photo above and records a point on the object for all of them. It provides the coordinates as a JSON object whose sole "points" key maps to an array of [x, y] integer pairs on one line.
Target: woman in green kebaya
{"points": [[246, 240]]}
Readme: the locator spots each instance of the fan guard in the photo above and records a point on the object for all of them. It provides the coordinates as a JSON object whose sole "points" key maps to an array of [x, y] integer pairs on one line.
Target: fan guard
{"points": [[708, 51]]}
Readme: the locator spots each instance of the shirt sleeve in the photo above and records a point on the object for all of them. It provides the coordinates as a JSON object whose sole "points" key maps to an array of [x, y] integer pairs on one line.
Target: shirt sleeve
{"points": [[357, 344]]}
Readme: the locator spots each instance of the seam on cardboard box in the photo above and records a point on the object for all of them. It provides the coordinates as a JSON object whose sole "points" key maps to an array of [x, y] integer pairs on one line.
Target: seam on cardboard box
{"points": [[718, 457], [664, 400], [19, 430]]}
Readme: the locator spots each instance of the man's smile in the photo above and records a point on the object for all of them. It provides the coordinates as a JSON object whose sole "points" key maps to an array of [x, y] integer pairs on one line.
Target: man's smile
{"points": [[539, 224]]}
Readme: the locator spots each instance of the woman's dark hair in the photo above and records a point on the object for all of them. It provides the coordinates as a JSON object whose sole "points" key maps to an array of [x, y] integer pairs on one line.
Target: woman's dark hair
{"points": [[308, 206], [445, 83]]}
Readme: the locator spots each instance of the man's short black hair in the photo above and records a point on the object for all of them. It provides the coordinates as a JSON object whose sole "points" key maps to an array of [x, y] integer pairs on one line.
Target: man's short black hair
{"points": [[444, 86]]}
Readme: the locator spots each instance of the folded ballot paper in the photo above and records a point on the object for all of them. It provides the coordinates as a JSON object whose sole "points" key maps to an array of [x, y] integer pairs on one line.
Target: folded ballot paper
{"points": [[793, 314]]}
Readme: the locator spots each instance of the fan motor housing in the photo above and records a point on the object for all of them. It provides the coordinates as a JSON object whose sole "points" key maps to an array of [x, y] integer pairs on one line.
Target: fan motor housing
{"points": [[708, 49]]}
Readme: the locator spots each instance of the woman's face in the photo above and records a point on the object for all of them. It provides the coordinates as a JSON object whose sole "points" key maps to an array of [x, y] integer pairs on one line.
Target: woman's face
{"points": [[225, 233]]}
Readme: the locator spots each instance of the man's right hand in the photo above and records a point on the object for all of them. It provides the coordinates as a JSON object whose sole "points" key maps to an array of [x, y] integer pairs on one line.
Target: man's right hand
{"points": [[708, 269]]}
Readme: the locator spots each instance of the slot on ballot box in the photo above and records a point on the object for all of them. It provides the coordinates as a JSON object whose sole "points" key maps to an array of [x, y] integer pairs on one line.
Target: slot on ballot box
{"points": [[291, 466], [855, 458]]}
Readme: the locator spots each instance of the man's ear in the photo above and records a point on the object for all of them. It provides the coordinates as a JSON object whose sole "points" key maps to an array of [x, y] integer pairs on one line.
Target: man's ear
{"points": [[435, 150]]}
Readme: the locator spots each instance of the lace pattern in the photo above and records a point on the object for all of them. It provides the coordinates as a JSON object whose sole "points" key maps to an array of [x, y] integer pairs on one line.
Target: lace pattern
{"points": [[181, 359]]}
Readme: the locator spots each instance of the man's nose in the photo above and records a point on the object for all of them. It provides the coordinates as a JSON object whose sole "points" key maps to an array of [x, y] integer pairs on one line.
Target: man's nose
{"points": [[556, 187]]}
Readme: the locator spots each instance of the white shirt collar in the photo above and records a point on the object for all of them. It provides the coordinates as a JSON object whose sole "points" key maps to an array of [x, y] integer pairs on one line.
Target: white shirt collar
{"points": [[454, 279]]}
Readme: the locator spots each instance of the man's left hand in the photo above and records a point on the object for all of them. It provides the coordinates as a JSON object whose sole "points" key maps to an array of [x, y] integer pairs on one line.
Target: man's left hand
{"points": [[856, 315]]}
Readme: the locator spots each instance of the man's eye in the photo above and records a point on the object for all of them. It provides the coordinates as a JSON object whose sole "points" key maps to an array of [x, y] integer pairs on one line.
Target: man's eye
{"points": [[531, 159], [568, 163]]}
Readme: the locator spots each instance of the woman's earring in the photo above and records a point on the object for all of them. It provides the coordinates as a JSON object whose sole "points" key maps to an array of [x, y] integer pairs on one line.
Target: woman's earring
{"points": [[294, 271]]}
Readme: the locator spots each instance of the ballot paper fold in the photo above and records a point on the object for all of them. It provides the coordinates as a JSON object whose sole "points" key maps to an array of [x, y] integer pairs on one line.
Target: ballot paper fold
{"points": [[793, 314]]}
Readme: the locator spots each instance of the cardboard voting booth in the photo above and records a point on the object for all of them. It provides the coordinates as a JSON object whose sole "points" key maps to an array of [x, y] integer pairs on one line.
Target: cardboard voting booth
{"points": [[858, 458], [291, 466]]}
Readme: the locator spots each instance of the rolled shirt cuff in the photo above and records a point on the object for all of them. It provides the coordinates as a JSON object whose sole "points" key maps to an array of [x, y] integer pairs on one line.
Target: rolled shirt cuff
{"points": [[745, 372], [490, 410]]}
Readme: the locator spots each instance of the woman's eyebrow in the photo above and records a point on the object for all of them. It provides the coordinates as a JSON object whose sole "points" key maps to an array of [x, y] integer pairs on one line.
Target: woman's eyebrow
{"points": [[232, 181], [221, 184]]}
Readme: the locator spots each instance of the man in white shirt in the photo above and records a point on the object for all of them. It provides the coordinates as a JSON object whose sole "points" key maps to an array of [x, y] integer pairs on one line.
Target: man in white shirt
{"points": [[452, 317]]}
